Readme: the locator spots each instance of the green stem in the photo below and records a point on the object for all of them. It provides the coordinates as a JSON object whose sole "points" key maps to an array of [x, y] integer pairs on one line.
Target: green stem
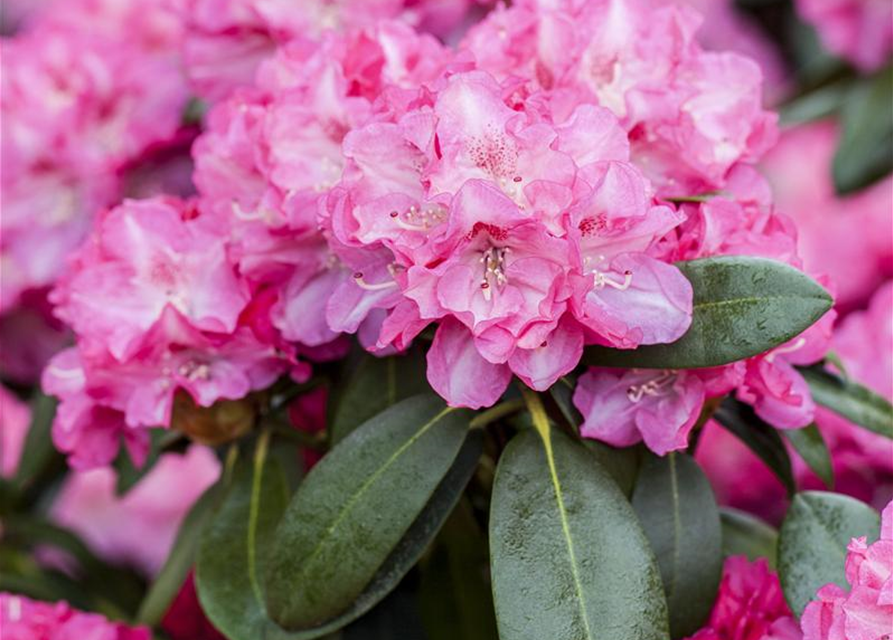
{"points": [[495, 413]]}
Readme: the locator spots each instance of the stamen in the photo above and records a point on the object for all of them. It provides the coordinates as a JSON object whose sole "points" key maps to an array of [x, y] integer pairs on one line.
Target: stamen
{"points": [[415, 219], [362, 284], [601, 280], [241, 214], [788, 349], [656, 387], [67, 374], [493, 260], [194, 371]]}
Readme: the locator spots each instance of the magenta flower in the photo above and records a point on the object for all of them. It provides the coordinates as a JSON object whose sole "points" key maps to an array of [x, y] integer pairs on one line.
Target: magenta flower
{"points": [[750, 605]]}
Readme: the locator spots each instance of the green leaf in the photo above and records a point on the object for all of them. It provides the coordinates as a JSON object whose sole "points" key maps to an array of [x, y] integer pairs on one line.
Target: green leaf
{"points": [[678, 512], [746, 535], [374, 385], [743, 306], [394, 618], [455, 594], [865, 152], [411, 547], [810, 445], [760, 437], [181, 558], [38, 452], [231, 554], [356, 505], [569, 559], [813, 541], [825, 101], [850, 400]]}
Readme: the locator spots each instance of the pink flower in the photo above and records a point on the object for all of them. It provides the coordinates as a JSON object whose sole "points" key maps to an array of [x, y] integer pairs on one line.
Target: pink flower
{"points": [[185, 619], [750, 605], [858, 30], [139, 528], [865, 612], [850, 238], [147, 258], [777, 391], [623, 407], [25, 619], [15, 418]]}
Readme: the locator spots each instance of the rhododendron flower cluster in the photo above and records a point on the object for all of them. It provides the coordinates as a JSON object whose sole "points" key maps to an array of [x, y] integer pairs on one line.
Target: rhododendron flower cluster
{"points": [[517, 192], [865, 612], [25, 619], [750, 605]]}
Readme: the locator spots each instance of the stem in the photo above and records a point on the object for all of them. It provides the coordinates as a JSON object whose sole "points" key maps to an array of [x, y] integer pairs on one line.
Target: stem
{"points": [[495, 413], [538, 412]]}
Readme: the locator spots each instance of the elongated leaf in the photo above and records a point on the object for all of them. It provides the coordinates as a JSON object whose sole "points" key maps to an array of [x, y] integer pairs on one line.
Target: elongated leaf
{"points": [[231, 555], [865, 152], [678, 512], [455, 595], [355, 506], [813, 541], [411, 547], [747, 535], [181, 558], [742, 307], [373, 386], [851, 400], [759, 437], [810, 445], [569, 559]]}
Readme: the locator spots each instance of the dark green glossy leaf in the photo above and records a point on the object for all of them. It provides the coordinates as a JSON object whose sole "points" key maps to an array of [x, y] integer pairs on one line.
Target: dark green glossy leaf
{"points": [[356, 505], [760, 437], [851, 400], [411, 547], [455, 594], [678, 512], [747, 535], [743, 306], [813, 541], [569, 559], [865, 152], [181, 558], [815, 105], [374, 385], [810, 445], [232, 553]]}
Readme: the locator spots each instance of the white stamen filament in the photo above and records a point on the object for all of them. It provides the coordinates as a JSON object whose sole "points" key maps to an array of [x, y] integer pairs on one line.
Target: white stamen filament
{"points": [[15, 609], [493, 260], [241, 214], [655, 387], [788, 349], [380, 286], [601, 280]]}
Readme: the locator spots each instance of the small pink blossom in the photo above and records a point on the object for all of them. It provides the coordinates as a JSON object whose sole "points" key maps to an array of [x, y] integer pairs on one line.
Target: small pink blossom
{"points": [[138, 528], [750, 605], [24, 619], [660, 407], [865, 612]]}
